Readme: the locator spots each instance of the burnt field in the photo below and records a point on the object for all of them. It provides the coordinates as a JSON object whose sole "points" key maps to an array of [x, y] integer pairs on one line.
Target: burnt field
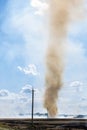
{"points": [[43, 124]]}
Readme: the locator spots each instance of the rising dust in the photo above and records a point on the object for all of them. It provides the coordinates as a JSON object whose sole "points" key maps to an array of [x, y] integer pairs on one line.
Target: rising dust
{"points": [[60, 12]]}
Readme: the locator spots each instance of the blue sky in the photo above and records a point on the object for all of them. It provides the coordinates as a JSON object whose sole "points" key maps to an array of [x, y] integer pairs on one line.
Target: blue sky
{"points": [[23, 47]]}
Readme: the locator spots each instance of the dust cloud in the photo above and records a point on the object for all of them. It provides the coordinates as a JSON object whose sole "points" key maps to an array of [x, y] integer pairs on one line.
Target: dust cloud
{"points": [[60, 12]]}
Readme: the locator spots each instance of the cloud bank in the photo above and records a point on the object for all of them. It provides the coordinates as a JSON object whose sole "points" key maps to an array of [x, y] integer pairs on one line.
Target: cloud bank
{"points": [[19, 104]]}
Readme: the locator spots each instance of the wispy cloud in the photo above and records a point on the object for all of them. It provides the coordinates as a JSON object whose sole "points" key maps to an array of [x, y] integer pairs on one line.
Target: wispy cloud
{"points": [[76, 84], [27, 89], [23, 42], [72, 98], [4, 93], [76, 61], [30, 69], [26, 28], [40, 6]]}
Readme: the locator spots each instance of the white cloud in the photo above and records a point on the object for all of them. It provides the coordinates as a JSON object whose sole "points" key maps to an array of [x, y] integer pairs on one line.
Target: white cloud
{"points": [[29, 28], [76, 84], [72, 98], [40, 6], [26, 90], [19, 104], [30, 69], [4, 93]]}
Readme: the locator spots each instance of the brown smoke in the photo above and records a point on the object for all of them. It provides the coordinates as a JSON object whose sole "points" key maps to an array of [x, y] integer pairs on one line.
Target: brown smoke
{"points": [[59, 18]]}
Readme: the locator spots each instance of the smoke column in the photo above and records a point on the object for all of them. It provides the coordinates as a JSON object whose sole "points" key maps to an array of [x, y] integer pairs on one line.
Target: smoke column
{"points": [[59, 18]]}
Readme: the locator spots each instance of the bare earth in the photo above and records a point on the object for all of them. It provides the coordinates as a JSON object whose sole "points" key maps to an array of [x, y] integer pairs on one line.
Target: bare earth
{"points": [[43, 124]]}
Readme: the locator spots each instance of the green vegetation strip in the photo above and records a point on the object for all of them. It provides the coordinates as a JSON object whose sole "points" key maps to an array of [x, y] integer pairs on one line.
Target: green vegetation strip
{"points": [[1, 128]]}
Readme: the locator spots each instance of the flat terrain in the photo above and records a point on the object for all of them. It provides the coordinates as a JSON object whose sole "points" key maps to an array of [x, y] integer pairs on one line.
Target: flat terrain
{"points": [[43, 124]]}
